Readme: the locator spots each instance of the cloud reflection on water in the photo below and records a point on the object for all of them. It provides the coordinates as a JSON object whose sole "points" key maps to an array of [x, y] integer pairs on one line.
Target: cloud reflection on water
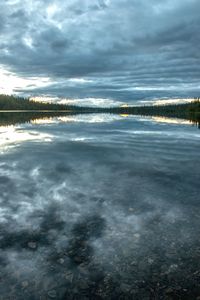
{"points": [[105, 210], [12, 136], [79, 118]]}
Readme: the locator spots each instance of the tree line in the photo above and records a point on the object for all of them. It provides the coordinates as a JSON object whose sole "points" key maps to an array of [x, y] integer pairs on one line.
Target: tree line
{"points": [[187, 111]]}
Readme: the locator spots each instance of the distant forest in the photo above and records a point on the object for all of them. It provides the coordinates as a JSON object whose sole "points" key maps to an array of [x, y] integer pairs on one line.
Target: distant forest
{"points": [[189, 111], [20, 103]]}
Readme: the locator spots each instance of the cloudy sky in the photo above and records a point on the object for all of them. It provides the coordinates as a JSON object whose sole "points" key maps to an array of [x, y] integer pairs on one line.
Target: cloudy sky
{"points": [[110, 50]]}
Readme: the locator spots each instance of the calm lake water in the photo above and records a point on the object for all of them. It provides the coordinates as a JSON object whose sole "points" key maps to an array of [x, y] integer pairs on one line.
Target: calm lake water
{"points": [[100, 207]]}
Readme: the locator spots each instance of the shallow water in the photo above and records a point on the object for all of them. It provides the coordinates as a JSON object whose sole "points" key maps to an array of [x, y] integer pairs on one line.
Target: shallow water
{"points": [[100, 207]]}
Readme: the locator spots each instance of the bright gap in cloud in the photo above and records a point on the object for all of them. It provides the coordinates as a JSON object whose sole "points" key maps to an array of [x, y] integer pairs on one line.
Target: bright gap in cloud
{"points": [[51, 10], [92, 102], [79, 80], [28, 42], [11, 83], [166, 101]]}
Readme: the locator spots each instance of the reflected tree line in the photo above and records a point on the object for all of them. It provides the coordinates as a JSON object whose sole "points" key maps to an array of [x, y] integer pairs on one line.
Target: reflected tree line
{"points": [[13, 118], [31, 110], [189, 111]]}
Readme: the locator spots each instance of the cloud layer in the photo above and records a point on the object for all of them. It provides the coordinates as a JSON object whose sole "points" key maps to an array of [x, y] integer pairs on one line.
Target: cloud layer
{"points": [[122, 49]]}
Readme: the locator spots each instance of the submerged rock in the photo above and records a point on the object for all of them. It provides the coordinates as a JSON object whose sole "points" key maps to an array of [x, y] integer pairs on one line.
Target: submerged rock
{"points": [[24, 284], [61, 261], [52, 294], [32, 245]]}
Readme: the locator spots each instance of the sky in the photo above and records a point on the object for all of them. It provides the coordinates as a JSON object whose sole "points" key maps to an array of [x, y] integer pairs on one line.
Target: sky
{"points": [[101, 52]]}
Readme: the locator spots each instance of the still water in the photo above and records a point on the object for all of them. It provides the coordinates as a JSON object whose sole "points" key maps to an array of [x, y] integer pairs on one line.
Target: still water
{"points": [[99, 207]]}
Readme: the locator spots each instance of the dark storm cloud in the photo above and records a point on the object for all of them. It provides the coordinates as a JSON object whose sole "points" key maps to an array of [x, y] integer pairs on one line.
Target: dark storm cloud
{"points": [[115, 45]]}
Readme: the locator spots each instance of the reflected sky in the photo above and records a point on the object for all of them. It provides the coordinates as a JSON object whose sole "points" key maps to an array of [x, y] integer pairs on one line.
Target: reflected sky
{"points": [[12, 136], [171, 120], [99, 207], [79, 118]]}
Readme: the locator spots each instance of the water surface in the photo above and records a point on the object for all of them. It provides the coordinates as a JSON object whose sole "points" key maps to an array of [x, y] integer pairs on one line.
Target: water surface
{"points": [[99, 207]]}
